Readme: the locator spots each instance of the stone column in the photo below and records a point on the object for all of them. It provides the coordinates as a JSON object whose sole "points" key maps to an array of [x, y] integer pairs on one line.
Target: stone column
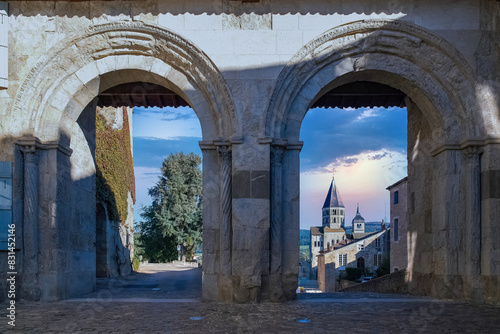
{"points": [[276, 240], [291, 217], [472, 156], [225, 210], [31, 289]]}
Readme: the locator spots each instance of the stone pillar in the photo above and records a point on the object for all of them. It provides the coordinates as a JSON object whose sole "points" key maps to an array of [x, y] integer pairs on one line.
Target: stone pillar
{"points": [[225, 228], [473, 228], [291, 219], [276, 240], [326, 274], [473, 234], [30, 289], [211, 221]]}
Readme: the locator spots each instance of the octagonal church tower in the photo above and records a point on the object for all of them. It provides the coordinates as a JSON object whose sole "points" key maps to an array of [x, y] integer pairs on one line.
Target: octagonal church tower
{"points": [[333, 209]]}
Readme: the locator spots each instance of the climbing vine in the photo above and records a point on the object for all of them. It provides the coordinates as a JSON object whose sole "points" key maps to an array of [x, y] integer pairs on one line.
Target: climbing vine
{"points": [[115, 167]]}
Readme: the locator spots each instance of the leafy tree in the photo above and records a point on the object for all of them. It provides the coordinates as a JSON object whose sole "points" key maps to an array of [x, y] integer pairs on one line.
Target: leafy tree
{"points": [[175, 216], [385, 266]]}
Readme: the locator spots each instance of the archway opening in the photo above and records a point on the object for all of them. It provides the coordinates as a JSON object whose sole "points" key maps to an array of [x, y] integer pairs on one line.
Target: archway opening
{"points": [[355, 146], [131, 128]]}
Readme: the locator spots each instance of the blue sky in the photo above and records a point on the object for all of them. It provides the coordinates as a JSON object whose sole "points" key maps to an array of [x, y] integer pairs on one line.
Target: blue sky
{"points": [[365, 147]]}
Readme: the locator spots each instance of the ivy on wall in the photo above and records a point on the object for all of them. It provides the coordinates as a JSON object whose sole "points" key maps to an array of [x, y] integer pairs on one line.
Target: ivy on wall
{"points": [[115, 167]]}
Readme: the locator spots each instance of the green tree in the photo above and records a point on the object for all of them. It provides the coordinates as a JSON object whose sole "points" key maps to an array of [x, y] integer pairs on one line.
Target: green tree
{"points": [[385, 266], [175, 216]]}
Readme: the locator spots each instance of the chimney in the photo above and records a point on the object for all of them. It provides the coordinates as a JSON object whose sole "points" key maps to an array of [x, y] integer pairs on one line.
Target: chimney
{"points": [[383, 225]]}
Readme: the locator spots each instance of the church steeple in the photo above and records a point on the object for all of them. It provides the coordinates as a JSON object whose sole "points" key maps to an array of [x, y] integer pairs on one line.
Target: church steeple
{"points": [[358, 223], [333, 208]]}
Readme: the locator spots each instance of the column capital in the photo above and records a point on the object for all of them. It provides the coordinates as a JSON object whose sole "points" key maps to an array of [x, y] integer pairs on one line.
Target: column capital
{"points": [[472, 152], [277, 153], [225, 154]]}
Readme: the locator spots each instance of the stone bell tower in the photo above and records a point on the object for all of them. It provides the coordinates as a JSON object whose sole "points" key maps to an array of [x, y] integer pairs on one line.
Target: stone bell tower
{"points": [[333, 209]]}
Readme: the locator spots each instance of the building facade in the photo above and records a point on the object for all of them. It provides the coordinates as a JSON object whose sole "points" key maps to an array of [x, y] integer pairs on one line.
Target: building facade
{"points": [[251, 70], [365, 253], [399, 224]]}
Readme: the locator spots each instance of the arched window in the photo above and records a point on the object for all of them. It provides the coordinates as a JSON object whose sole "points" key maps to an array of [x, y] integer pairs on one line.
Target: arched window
{"points": [[361, 262]]}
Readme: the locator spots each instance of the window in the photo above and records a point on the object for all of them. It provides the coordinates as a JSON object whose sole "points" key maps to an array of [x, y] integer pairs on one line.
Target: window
{"points": [[360, 262], [377, 242], [361, 246], [342, 260], [377, 259], [396, 197], [396, 230]]}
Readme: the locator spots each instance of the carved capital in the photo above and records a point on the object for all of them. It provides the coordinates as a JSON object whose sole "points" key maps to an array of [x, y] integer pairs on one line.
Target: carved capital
{"points": [[225, 154], [30, 154], [277, 153], [472, 153]]}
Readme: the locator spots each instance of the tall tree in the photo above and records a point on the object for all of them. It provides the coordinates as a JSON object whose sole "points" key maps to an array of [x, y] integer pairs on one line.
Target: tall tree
{"points": [[175, 216]]}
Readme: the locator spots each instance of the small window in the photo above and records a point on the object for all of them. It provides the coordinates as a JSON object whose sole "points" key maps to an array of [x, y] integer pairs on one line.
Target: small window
{"points": [[361, 246], [396, 197], [396, 230], [342, 260], [377, 242]]}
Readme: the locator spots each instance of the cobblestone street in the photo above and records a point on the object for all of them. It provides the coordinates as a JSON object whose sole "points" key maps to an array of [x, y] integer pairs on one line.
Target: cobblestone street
{"points": [[116, 308]]}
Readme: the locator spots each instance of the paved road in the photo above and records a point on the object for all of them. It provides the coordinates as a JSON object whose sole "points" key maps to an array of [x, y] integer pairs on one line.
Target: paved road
{"points": [[135, 308], [156, 281]]}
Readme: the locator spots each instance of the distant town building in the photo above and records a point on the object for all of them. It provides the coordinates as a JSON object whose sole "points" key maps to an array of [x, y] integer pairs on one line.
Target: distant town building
{"points": [[359, 249], [399, 225], [365, 253]]}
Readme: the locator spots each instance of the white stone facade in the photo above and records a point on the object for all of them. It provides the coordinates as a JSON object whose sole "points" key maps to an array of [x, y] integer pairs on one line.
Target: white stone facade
{"points": [[251, 70]]}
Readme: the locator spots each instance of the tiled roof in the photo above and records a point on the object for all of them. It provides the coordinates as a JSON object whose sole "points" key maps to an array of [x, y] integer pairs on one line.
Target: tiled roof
{"points": [[316, 230], [338, 230]]}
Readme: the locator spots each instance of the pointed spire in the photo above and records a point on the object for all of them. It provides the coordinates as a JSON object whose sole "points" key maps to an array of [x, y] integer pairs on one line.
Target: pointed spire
{"points": [[357, 212], [333, 199]]}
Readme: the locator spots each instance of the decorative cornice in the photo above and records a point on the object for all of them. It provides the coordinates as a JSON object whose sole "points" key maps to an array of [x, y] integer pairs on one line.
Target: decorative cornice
{"points": [[472, 142], [297, 146], [34, 143]]}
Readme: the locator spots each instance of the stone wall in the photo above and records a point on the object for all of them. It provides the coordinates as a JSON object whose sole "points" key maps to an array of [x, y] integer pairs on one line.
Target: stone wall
{"points": [[251, 71], [391, 283]]}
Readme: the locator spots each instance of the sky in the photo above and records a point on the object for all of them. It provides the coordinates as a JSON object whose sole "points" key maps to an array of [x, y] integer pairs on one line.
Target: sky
{"points": [[365, 147]]}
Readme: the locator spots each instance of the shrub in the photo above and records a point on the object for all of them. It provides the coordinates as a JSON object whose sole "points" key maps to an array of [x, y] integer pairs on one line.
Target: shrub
{"points": [[135, 264], [353, 273]]}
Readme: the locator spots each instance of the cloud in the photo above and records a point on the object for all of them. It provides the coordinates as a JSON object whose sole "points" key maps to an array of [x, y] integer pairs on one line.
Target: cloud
{"points": [[368, 113], [166, 123], [364, 180], [332, 133]]}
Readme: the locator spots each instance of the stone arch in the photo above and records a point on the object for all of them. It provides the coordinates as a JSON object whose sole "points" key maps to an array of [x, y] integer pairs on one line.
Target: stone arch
{"points": [[68, 77], [447, 106], [407, 57]]}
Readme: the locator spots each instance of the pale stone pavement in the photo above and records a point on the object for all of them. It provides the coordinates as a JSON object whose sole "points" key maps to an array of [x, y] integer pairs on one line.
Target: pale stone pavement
{"points": [[131, 305]]}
